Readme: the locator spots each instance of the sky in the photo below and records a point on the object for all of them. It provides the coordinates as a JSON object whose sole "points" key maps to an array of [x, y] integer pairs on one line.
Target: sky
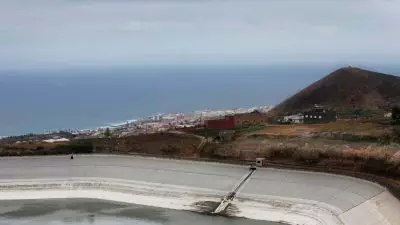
{"points": [[100, 33]]}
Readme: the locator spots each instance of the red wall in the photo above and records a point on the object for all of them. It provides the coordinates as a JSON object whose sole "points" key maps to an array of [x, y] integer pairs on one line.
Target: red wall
{"points": [[227, 123]]}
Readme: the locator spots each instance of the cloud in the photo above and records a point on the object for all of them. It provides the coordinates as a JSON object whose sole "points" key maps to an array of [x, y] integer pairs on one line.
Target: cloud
{"points": [[151, 32]]}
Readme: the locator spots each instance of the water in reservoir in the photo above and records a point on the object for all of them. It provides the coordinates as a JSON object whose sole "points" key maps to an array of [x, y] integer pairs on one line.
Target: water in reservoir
{"points": [[98, 212]]}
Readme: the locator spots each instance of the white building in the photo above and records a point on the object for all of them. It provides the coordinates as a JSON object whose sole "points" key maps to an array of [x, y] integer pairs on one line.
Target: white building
{"points": [[296, 118], [388, 115]]}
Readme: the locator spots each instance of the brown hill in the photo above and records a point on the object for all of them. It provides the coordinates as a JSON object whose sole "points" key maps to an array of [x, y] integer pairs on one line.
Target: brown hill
{"points": [[346, 88]]}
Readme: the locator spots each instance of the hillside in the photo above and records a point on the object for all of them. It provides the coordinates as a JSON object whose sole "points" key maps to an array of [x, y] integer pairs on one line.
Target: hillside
{"points": [[176, 144], [346, 88]]}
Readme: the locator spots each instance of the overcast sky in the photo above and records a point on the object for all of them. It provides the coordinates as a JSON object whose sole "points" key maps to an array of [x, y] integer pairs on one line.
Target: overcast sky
{"points": [[87, 33]]}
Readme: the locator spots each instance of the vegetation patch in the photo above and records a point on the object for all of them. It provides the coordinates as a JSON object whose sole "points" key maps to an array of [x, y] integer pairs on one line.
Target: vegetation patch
{"points": [[250, 128], [75, 147]]}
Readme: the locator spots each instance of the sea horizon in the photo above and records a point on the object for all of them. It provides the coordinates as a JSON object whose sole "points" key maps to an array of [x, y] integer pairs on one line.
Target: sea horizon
{"points": [[50, 100]]}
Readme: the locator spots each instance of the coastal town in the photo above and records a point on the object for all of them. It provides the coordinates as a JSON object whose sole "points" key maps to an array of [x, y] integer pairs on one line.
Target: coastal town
{"points": [[147, 125], [217, 120]]}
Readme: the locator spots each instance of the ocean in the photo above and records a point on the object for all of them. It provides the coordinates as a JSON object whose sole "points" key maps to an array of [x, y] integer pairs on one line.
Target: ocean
{"points": [[48, 100]]}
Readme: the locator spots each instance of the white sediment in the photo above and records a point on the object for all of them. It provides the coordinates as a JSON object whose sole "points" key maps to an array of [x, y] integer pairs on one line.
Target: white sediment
{"points": [[271, 208], [142, 193], [293, 197]]}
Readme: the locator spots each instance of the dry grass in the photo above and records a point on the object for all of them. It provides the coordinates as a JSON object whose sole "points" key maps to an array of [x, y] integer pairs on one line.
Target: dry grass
{"points": [[298, 153], [333, 153], [307, 130], [395, 159], [369, 152], [160, 143]]}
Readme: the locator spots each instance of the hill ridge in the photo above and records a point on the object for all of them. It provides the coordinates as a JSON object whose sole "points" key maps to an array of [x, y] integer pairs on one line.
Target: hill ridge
{"points": [[346, 87]]}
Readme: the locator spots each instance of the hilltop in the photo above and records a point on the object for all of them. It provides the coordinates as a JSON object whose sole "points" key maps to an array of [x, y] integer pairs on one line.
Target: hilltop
{"points": [[345, 88]]}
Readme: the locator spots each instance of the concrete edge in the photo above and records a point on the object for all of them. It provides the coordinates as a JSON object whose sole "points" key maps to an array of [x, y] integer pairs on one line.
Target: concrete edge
{"points": [[222, 163], [380, 209], [291, 211]]}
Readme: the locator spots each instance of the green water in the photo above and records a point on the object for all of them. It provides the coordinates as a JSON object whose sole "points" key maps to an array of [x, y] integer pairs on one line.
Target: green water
{"points": [[86, 211]]}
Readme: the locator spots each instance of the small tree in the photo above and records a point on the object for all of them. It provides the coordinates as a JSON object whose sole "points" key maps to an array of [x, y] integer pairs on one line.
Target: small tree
{"points": [[107, 132], [396, 115]]}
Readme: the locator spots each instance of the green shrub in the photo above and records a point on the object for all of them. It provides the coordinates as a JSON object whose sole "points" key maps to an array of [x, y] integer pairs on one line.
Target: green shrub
{"points": [[396, 133], [250, 128], [75, 147]]}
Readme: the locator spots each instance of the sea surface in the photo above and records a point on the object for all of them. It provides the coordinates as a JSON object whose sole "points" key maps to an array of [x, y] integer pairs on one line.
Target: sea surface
{"points": [[96, 212], [49, 100]]}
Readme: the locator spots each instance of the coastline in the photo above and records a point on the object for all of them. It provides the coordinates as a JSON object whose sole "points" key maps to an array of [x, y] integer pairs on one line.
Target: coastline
{"points": [[149, 118]]}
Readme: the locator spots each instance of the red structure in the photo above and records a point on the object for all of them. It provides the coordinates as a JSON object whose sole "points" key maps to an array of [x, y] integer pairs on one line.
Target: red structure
{"points": [[227, 123]]}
